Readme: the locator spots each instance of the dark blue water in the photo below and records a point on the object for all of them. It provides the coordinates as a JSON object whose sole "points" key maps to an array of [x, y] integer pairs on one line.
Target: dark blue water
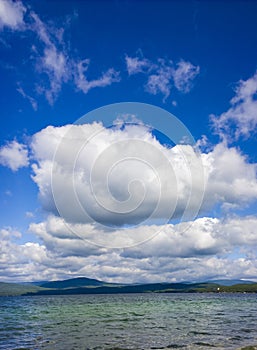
{"points": [[129, 321]]}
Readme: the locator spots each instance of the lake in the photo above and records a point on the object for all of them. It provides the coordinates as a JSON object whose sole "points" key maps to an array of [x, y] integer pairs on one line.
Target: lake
{"points": [[128, 321]]}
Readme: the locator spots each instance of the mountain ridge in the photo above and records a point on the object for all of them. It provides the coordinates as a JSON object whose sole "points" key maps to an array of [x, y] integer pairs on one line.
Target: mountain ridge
{"points": [[84, 285]]}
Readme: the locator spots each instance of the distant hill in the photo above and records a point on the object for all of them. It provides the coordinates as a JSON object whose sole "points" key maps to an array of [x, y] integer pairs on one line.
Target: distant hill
{"points": [[240, 288], [10, 289], [225, 282], [72, 283], [83, 285], [138, 288]]}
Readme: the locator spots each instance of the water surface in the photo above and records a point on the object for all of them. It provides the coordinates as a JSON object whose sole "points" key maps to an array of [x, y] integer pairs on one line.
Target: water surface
{"points": [[128, 321]]}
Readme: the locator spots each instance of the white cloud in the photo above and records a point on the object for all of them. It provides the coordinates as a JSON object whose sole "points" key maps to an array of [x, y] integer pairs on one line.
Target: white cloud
{"points": [[9, 233], [125, 176], [142, 184], [204, 236], [57, 62], [28, 261], [52, 60], [83, 84], [41, 30], [205, 250], [230, 179], [60, 239], [12, 14], [14, 155], [136, 65], [161, 80], [211, 248], [184, 75], [55, 65], [163, 75], [240, 120]]}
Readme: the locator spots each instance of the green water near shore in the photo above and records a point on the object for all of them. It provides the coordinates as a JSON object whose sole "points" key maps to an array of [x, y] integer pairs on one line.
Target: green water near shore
{"points": [[125, 321]]}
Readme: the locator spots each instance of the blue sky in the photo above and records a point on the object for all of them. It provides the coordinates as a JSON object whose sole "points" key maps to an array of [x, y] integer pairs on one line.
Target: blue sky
{"points": [[196, 60]]}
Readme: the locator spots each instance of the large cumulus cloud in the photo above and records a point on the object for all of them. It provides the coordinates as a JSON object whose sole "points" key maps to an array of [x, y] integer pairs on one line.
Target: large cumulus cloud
{"points": [[88, 173]]}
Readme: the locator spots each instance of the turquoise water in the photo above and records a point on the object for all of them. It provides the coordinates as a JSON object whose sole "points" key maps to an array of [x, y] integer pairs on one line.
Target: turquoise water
{"points": [[128, 321]]}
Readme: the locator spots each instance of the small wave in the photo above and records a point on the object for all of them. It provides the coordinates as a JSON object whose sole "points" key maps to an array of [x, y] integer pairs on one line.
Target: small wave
{"points": [[236, 338], [199, 333], [204, 344], [175, 346], [171, 346], [246, 330]]}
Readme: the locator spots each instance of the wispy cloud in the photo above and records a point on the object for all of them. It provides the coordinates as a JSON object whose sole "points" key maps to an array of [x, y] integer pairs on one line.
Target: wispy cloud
{"points": [[240, 120], [54, 63], [83, 84], [8, 193], [57, 62], [161, 80], [136, 65], [184, 75], [163, 75], [31, 100], [41, 29], [14, 155], [12, 14], [29, 214]]}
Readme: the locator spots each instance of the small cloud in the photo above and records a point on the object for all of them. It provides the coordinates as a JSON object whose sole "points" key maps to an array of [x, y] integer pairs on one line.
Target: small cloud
{"points": [[163, 75], [203, 143], [14, 155], [29, 214], [136, 65], [8, 193], [83, 84], [160, 81], [184, 75], [11, 14], [127, 118], [240, 120], [8, 232], [55, 65]]}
